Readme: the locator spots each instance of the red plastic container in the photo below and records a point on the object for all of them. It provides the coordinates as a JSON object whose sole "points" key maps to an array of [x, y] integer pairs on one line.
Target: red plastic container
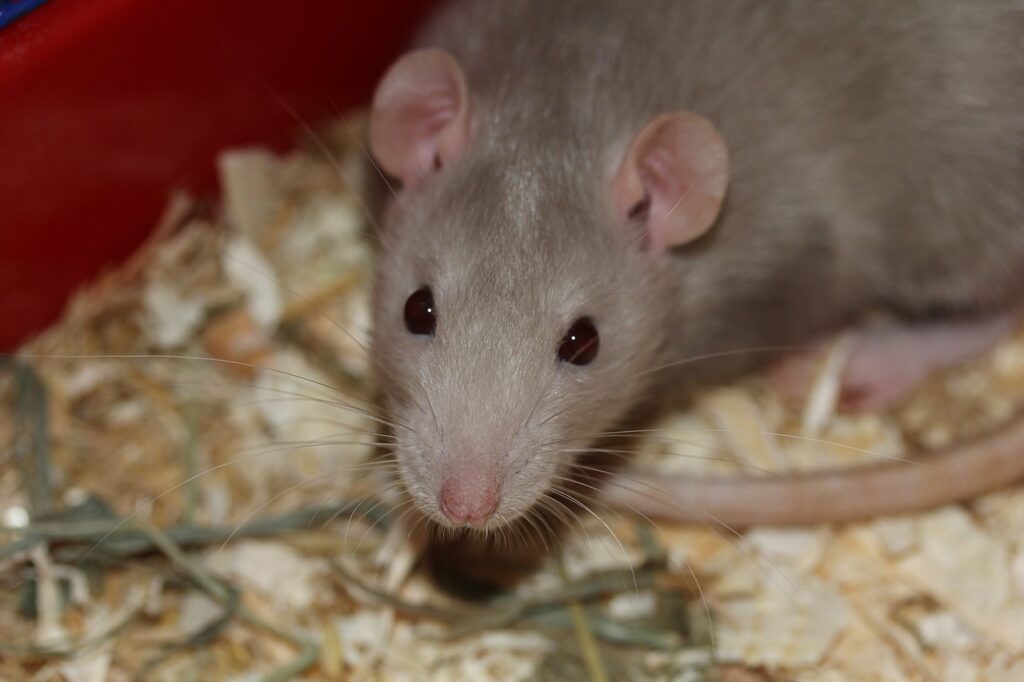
{"points": [[107, 105]]}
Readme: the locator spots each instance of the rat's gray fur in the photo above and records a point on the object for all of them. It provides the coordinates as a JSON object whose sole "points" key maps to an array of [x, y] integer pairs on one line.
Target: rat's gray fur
{"points": [[877, 157]]}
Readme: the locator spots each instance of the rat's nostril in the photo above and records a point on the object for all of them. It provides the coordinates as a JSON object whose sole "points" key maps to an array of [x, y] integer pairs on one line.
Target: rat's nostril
{"points": [[464, 503]]}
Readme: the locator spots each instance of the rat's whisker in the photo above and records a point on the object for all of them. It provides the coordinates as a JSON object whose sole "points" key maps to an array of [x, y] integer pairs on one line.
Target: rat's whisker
{"points": [[707, 607], [555, 415], [273, 279], [544, 528], [330, 473], [774, 434], [381, 492], [420, 518], [597, 492], [328, 155], [368, 408], [168, 356], [327, 421], [331, 403], [378, 520], [720, 354], [277, 447], [359, 143], [342, 398], [666, 497], [558, 512], [348, 525], [586, 508], [130, 517], [628, 454], [528, 521], [568, 514], [790, 590]]}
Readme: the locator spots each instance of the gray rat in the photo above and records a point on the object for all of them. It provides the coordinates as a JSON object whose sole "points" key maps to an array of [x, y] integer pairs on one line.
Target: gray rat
{"points": [[596, 194]]}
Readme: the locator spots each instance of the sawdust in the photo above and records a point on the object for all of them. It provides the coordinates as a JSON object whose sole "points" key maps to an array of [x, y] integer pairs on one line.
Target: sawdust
{"points": [[274, 413]]}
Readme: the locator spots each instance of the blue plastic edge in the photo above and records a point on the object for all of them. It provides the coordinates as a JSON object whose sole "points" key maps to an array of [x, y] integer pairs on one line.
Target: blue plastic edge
{"points": [[11, 10]]}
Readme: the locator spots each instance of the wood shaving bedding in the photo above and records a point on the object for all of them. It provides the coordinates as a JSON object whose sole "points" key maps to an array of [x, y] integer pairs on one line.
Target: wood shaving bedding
{"points": [[279, 281]]}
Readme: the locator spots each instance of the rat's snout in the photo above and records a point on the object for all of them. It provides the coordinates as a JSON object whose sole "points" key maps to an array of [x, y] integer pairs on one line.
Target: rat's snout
{"points": [[469, 499]]}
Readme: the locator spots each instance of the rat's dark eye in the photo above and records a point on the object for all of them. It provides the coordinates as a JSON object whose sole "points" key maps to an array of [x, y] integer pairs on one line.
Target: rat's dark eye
{"points": [[419, 312], [580, 343]]}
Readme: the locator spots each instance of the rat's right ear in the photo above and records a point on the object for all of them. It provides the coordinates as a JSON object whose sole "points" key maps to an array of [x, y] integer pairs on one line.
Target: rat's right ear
{"points": [[419, 120], [672, 180]]}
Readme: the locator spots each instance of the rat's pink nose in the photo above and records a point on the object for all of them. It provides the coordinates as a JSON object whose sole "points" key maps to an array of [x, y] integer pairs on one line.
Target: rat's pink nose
{"points": [[468, 502]]}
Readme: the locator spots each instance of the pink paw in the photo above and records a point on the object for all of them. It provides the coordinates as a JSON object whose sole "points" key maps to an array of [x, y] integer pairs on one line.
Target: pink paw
{"points": [[886, 363]]}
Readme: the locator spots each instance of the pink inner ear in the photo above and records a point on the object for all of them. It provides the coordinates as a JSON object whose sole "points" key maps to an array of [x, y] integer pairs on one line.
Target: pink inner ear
{"points": [[419, 120], [673, 179]]}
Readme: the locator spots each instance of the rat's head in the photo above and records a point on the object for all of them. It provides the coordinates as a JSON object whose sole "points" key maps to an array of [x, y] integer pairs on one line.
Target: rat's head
{"points": [[520, 288]]}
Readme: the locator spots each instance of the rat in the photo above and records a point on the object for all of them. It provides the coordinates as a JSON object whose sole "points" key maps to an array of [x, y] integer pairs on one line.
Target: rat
{"points": [[602, 205]]}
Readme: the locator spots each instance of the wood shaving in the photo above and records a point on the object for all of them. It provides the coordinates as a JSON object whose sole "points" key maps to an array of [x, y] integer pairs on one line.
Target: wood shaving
{"points": [[274, 293]]}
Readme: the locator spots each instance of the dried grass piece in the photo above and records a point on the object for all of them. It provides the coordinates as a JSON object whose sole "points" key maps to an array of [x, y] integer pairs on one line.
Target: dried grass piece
{"points": [[49, 632]]}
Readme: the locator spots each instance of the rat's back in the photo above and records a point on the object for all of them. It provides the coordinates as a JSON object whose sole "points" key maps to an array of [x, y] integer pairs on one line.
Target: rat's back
{"points": [[896, 128]]}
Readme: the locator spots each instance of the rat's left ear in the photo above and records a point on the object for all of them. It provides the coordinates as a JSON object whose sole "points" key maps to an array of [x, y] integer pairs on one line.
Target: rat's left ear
{"points": [[672, 179], [419, 120]]}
